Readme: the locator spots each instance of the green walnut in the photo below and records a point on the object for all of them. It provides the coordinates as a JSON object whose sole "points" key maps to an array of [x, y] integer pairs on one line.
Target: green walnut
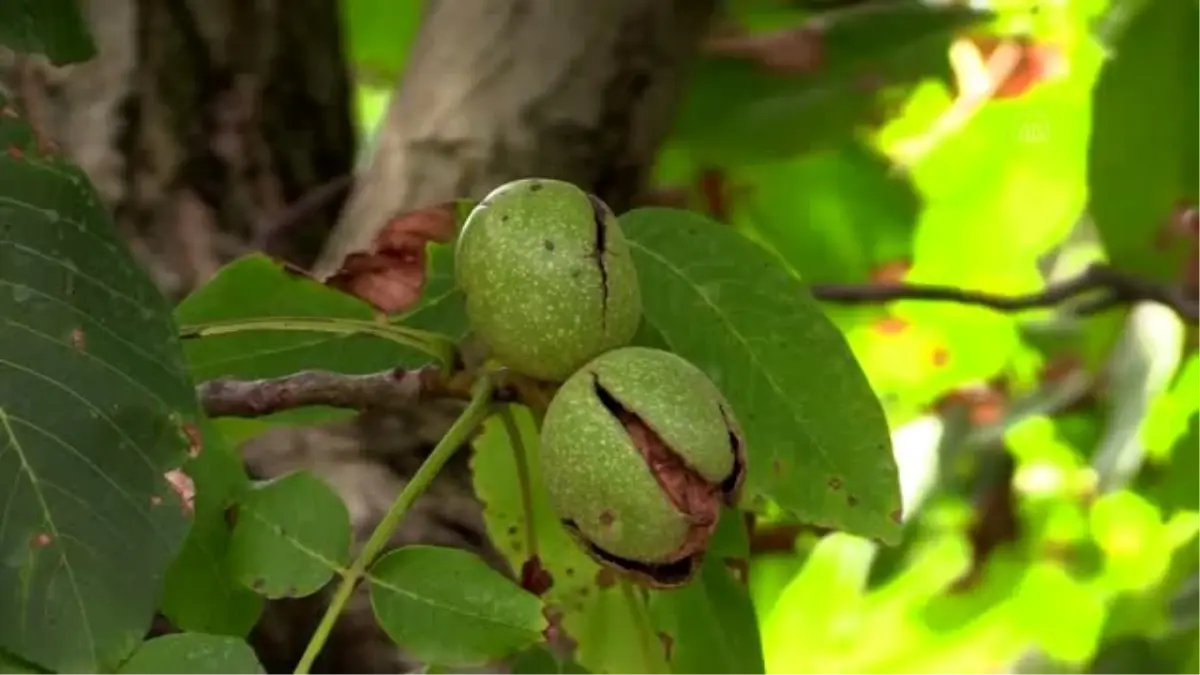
{"points": [[548, 277], [639, 451]]}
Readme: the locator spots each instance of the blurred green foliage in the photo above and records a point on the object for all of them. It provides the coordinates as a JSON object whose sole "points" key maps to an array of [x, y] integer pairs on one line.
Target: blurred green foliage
{"points": [[1049, 460]]}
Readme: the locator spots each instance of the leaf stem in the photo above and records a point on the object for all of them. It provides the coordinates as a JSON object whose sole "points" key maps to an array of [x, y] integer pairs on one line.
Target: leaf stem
{"points": [[524, 483], [438, 346], [466, 424], [653, 660]]}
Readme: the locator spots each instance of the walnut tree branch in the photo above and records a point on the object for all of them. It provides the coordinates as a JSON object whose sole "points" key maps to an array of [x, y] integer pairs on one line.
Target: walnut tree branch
{"points": [[398, 388], [394, 389], [1111, 286]]}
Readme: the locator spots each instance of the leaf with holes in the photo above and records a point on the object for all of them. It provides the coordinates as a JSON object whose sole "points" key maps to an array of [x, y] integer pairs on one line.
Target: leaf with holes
{"points": [[292, 534], [1142, 164], [446, 606], [193, 653], [54, 28], [95, 412], [816, 439], [590, 605], [201, 593]]}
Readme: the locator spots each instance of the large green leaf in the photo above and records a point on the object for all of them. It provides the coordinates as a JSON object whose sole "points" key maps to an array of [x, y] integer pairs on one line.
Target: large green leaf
{"points": [[766, 115], [816, 437], [51, 27], [1142, 161], [447, 607], [95, 408]]}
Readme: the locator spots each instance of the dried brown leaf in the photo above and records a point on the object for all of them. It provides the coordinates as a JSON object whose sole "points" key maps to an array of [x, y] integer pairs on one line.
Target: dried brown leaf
{"points": [[391, 274]]}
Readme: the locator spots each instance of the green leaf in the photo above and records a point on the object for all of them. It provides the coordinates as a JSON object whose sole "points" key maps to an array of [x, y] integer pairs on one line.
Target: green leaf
{"points": [[825, 598], [11, 665], [193, 653], [201, 593], [816, 437], [51, 27], [710, 624], [257, 287], [1142, 162], [1016, 171], [292, 534], [381, 33], [832, 216], [595, 612], [95, 404], [1063, 614], [1130, 531], [538, 659], [447, 606], [766, 115]]}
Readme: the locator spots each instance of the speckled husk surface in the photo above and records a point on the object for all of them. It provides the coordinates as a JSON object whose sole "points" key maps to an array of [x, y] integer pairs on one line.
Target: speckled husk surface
{"points": [[598, 478], [548, 277]]}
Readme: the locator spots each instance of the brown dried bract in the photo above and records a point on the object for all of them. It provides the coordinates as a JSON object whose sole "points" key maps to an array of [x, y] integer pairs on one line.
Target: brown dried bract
{"points": [[535, 578], [391, 276]]}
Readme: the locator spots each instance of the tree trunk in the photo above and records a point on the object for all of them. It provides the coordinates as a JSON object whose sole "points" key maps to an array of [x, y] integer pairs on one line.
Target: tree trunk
{"points": [[202, 122], [578, 90]]}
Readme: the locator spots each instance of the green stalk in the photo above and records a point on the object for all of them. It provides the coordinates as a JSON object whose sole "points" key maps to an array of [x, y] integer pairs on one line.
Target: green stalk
{"points": [[433, 344], [524, 483], [466, 424]]}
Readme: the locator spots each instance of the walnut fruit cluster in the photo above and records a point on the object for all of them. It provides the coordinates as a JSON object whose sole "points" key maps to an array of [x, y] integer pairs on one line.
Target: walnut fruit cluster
{"points": [[639, 449]]}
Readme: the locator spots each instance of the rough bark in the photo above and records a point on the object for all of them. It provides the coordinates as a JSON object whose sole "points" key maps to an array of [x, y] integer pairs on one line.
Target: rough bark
{"points": [[578, 90], [202, 120]]}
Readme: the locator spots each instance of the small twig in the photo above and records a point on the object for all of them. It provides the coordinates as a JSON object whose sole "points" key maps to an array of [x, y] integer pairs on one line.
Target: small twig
{"points": [[1114, 288], [395, 389]]}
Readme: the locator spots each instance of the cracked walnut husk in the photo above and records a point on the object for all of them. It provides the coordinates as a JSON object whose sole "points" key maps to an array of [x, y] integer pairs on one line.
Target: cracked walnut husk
{"points": [[639, 452]]}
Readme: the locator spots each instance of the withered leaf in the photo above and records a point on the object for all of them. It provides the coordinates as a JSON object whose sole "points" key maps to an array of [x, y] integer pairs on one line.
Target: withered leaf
{"points": [[391, 274]]}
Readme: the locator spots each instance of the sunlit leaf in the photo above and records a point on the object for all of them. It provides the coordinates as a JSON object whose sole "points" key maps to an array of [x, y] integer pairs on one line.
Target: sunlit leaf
{"points": [[594, 611]]}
